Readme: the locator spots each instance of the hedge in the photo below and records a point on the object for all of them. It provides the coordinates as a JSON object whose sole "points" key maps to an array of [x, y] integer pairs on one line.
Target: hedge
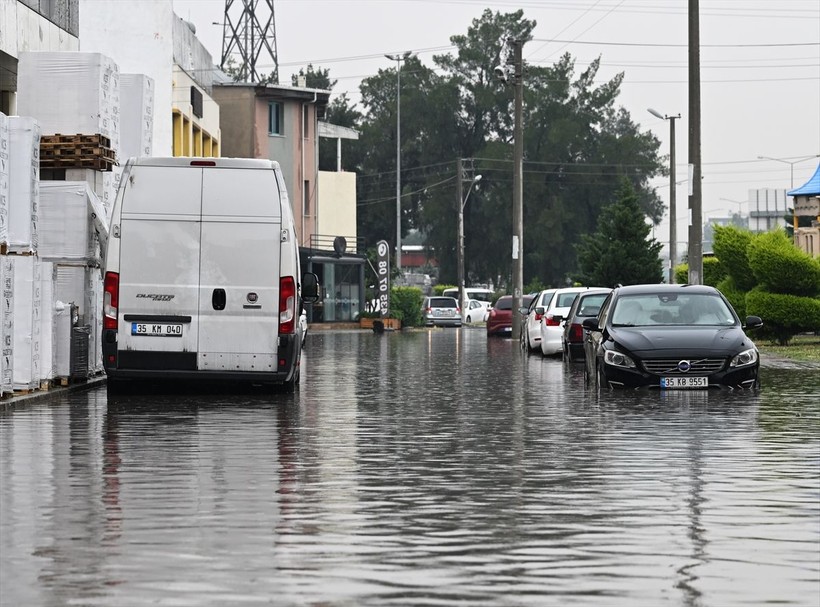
{"points": [[730, 245], [713, 272], [405, 304], [781, 267], [735, 296], [784, 315]]}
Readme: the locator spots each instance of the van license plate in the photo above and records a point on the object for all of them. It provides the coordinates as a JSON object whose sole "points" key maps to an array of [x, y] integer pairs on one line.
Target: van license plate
{"points": [[684, 382], [156, 329]]}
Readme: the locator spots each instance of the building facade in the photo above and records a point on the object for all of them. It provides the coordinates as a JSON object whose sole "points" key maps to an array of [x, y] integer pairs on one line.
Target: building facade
{"points": [[282, 123]]}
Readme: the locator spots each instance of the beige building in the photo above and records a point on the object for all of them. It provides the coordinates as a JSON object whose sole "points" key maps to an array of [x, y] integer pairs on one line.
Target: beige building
{"points": [[282, 123]]}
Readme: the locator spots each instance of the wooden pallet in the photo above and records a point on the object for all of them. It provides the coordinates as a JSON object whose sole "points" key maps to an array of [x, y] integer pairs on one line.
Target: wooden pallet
{"points": [[79, 162], [97, 139]]}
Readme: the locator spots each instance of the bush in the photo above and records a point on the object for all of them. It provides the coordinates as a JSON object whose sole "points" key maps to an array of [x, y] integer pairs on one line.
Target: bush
{"points": [[735, 296], [784, 315], [730, 246], [780, 267], [405, 304], [713, 272]]}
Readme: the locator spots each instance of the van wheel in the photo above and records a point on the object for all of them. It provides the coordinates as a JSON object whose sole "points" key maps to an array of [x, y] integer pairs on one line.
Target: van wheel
{"points": [[289, 387]]}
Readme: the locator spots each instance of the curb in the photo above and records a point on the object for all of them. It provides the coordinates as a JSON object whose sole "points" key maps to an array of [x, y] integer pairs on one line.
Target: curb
{"points": [[25, 399]]}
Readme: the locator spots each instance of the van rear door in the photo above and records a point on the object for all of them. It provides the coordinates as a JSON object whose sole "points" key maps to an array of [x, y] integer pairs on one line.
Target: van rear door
{"points": [[239, 270], [159, 267]]}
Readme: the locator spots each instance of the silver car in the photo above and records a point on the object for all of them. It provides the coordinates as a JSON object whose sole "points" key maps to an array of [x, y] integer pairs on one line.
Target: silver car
{"points": [[441, 312]]}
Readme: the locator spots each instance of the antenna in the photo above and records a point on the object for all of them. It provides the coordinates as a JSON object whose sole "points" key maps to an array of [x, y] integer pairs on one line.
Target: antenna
{"points": [[244, 34]]}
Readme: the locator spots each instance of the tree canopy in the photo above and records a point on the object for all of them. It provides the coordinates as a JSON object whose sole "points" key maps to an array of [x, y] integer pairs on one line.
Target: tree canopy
{"points": [[619, 252], [578, 147]]}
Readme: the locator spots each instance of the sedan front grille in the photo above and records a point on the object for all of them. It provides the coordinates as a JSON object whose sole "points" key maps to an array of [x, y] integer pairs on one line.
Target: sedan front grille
{"points": [[669, 366]]}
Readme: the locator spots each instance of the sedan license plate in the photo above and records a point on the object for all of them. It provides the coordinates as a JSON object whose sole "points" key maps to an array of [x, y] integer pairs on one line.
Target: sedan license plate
{"points": [[156, 329], [684, 382]]}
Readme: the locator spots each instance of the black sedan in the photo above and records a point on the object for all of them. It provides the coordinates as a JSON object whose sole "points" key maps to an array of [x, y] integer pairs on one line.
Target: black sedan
{"points": [[670, 337]]}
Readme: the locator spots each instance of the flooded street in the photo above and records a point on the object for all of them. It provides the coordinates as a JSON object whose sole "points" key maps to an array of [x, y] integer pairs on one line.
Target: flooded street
{"points": [[431, 467]]}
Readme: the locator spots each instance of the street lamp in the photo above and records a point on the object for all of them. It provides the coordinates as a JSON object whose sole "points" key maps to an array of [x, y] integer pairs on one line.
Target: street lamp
{"points": [[398, 59], [791, 164], [672, 201], [461, 205]]}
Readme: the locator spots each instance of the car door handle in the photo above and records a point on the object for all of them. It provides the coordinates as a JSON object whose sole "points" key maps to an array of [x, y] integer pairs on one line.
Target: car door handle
{"points": [[218, 299]]}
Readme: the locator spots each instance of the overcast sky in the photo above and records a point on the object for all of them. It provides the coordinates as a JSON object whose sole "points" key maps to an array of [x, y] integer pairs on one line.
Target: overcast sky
{"points": [[760, 69]]}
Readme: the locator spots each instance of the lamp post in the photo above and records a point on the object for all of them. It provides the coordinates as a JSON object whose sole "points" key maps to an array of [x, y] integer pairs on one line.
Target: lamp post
{"points": [[791, 164], [398, 59], [460, 253], [672, 201]]}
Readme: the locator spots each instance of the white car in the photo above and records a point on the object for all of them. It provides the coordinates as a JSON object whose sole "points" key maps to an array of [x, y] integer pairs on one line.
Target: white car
{"points": [[531, 325], [552, 321], [476, 311]]}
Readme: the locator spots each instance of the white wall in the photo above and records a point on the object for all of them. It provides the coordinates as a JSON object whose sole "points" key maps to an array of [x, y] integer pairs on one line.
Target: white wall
{"points": [[337, 204], [138, 36], [22, 29]]}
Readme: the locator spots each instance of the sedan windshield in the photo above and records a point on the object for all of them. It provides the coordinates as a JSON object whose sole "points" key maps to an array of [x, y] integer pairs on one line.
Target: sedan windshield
{"points": [[671, 309]]}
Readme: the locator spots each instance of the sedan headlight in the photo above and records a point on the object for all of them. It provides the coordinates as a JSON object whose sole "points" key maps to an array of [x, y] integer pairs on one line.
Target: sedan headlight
{"points": [[747, 357], [616, 359]]}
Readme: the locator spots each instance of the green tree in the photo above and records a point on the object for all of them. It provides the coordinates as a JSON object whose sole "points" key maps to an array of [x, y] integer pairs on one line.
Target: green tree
{"points": [[620, 250], [578, 146]]}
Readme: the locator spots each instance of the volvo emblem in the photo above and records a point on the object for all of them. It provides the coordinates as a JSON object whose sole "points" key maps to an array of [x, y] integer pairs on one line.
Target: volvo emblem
{"points": [[684, 366]]}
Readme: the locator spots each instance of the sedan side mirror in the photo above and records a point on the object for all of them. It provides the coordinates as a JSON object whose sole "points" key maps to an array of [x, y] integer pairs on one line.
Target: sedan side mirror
{"points": [[590, 324], [540, 310], [753, 322], [310, 287]]}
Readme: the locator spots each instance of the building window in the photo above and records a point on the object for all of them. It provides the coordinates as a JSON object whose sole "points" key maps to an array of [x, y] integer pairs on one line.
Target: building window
{"points": [[305, 123], [274, 118], [306, 199]]}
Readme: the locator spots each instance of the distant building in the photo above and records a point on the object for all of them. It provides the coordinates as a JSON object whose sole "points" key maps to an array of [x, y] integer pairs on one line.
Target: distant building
{"points": [[767, 208], [807, 204]]}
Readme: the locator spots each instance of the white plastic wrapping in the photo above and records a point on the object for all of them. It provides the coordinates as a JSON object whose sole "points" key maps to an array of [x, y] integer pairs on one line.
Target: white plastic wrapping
{"points": [[46, 321], [93, 318], [24, 183], [7, 325], [70, 93], [27, 322], [65, 232], [4, 180], [136, 116], [69, 286]]}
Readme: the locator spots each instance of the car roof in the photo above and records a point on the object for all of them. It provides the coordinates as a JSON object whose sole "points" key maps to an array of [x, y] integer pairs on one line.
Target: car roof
{"points": [[662, 288]]}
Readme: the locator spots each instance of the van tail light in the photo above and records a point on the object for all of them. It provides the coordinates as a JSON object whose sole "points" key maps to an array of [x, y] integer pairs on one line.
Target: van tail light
{"points": [[576, 333], [552, 321], [287, 306], [111, 300]]}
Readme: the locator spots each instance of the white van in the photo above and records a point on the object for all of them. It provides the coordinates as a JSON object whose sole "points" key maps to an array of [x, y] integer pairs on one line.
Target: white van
{"points": [[202, 276]]}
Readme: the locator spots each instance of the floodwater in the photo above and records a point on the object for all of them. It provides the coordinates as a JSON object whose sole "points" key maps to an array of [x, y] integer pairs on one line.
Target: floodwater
{"points": [[431, 467]]}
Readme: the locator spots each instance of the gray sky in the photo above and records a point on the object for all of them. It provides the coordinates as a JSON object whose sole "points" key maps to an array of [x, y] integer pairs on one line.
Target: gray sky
{"points": [[760, 69]]}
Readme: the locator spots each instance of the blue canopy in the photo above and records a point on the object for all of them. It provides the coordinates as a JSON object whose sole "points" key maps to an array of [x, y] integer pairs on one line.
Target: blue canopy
{"points": [[810, 188]]}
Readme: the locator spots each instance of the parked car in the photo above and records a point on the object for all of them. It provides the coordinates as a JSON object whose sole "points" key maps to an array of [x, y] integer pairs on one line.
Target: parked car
{"points": [[586, 305], [441, 312], [531, 325], [552, 321], [499, 321], [670, 337], [476, 311]]}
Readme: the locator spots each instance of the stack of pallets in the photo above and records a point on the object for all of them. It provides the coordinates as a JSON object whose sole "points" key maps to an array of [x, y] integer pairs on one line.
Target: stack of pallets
{"points": [[76, 151]]}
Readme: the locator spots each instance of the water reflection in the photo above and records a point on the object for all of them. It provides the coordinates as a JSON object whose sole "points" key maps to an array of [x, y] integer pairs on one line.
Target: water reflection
{"points": [[431, 467]]}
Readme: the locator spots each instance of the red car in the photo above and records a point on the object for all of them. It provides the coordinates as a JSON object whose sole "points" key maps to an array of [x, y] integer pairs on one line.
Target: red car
{"points": [[500, 320]]}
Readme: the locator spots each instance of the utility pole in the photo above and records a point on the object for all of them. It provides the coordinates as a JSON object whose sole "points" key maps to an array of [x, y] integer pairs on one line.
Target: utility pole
{"points": [[518, 189], [695, 169], [673, 220], [460, 244]]}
